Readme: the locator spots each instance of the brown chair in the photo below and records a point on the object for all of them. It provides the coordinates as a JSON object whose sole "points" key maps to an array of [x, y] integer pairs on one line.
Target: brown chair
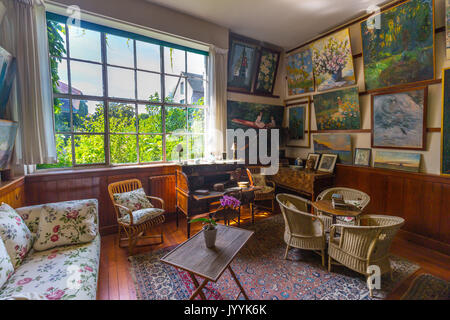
{"points": [[133, 226], [267, 191]]}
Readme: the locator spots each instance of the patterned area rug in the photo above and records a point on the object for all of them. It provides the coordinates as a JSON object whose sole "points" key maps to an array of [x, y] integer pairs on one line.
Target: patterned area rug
{"points": [[264, 274], [428, 287]]}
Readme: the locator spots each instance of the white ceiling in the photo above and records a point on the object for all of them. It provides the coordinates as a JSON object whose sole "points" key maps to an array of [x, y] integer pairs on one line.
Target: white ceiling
{"points": [[286, 23]]}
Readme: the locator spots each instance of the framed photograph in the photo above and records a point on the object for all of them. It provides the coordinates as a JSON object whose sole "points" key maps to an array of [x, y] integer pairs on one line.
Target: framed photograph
{"points": [[362, 157], [399, 119], [241, 64], [405, 30], [327, 163], [299, 119], [267, 71], [316, 158], [299, 72], [445, 126], [8, 132], [401, 161]]}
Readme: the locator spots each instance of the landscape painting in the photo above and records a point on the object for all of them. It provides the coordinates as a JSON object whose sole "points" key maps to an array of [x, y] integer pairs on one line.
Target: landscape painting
{"points": [[7, 74], [8, 131], [399, 119], [338, 110], [297, 117], [333, 61], [267, 71], [241, 66], [299, 70], [445, 127], [398, 45], [245, 115], [402, 161], [339, 144]]}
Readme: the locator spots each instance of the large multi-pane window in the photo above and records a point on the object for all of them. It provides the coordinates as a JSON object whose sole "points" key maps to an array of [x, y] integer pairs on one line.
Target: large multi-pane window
{"points": [[124, 101]]}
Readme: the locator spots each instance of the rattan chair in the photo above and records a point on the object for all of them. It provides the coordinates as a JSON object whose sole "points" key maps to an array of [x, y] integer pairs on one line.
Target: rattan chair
{"points": [[360, 198], [359, 247], [268, 188], [302, 229], [134, 231]]}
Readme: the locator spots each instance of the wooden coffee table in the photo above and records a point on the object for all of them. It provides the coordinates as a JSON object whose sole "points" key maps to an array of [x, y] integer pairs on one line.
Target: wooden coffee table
{"points": [[193, 257], [326, 206]]}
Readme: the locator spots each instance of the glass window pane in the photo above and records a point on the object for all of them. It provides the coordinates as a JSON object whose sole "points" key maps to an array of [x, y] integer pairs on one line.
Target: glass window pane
{"points": [[175, 89], [196, 91], [150, 148], [60, 75], [62, 115], [119, 51], [150, 119], [196, 120], [176, 119], [56, 39], [85, 44], [88, 116], [174, 61], [148, 56], [171, 143], [122, 118], [63, 150], [121, 83], [89, 149], [196, 147], [196, 64], [149, 86], [123, 148], [86, 78]]}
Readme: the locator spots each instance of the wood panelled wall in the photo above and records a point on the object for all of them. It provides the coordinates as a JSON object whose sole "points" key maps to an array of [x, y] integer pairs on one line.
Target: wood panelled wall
{"points": [[13, 192], [423, 200], [85, 184]]}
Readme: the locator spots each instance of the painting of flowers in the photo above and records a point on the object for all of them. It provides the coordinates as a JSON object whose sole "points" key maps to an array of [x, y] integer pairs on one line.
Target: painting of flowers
{"points": [[267, 71], [398, 45], [338, 110], [399, 119], [333, 61], [445, 128], [339, 144], [297, 116], [299, 70], [402, 161], [241, 65]]}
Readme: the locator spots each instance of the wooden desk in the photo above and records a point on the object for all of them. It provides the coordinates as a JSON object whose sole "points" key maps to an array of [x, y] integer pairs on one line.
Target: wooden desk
{"points": [[193, 257], [326, 206]]}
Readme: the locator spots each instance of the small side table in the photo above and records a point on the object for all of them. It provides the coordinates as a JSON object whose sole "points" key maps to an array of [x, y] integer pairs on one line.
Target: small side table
{"points": [[326, 206]]}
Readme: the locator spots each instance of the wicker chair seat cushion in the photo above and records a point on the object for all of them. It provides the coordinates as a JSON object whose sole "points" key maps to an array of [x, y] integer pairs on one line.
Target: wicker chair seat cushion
{"points": [[133, 200], [143, 215]]}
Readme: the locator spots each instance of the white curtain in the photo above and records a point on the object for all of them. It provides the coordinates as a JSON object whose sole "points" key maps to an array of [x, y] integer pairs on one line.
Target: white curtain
{"points": [[217, 124], [23, 32]]}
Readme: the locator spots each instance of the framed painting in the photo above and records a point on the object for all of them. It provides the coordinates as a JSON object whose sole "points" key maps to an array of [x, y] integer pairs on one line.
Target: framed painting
{"points": [[398, 45], [333, 61], [316, 158], [402, 161], [447, 28], [241, 64], [399, 119], [7, 74], [327, 163], [445, 126], [245, 115], [299, 72], [339, 144], [299, 119], [338, 110], [267, 71], [362, 157], [8, 132]]}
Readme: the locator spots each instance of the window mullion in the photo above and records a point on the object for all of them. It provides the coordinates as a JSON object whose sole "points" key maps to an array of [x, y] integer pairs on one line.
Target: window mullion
{"points": [[107, 147], [163, 100]]}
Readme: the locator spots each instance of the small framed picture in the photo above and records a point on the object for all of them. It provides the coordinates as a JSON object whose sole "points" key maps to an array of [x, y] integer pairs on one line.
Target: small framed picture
{"points": [[316, 158], [328, 162], [362, 157]]}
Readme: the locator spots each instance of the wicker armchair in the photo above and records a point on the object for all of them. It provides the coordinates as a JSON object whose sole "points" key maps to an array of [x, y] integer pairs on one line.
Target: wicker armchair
{"points": [[268, 188], [359, 247], [302, 229], [360, 198], [127, 220]]}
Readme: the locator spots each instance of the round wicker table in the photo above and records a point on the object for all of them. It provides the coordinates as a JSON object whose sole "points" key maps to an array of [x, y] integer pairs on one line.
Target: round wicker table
{"points": [[326, 206]]}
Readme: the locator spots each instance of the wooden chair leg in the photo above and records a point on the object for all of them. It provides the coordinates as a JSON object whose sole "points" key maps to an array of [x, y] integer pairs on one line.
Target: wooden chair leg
{"points": [[323, 258], [329, 264], [287, 251], [273, 205]]}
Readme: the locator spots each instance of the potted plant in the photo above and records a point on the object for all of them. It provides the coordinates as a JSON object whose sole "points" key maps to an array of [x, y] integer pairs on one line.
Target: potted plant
{"points": [[209, 231]]}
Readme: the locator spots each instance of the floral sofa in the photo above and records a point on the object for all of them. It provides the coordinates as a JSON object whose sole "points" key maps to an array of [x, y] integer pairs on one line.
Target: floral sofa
{"points": [[63, 273]]}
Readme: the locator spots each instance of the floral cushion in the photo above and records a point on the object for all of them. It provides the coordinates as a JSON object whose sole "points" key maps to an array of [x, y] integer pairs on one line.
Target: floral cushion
{"points": [[133, 200], [30, 216], [143, 215], [15, 234], [6, 267], [259, 180], [64, 223], [65, 273]]}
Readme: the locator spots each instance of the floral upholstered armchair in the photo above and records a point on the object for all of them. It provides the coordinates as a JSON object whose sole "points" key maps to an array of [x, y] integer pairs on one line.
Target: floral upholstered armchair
{"points": [[267, 191]]}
